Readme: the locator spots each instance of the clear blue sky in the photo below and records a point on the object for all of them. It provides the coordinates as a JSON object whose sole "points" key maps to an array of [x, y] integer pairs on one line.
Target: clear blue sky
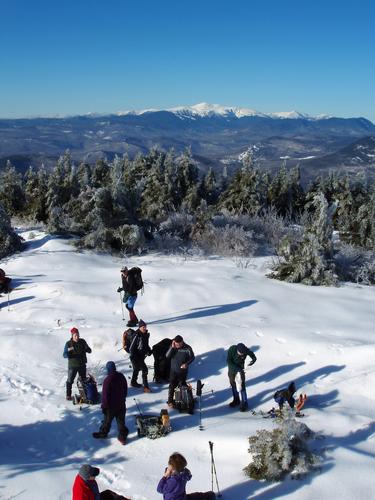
{"points": [[73, 57]]}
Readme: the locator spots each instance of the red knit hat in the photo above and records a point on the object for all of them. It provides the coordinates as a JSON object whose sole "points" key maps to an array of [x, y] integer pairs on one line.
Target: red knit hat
{"points": [[74, 330]]}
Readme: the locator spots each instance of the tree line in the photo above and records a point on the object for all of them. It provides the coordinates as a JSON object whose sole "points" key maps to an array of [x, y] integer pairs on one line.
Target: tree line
{"points": [[320, 234]]}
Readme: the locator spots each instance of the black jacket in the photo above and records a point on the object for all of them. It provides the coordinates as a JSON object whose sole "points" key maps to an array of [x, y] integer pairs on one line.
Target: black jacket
{"points": [[140, 348], [179, 357]]}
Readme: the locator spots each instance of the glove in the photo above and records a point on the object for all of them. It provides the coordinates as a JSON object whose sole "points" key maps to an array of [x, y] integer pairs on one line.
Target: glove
{"points": [[119, 289], [251, 362]]}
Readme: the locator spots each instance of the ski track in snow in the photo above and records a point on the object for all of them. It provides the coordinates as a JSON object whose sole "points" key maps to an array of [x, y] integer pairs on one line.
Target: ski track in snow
{"points": [[321, 338]]}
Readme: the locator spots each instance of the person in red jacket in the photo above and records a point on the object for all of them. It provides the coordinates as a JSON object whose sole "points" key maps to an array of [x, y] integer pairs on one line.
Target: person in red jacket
{"points": [[85, 486], [115, 389]]}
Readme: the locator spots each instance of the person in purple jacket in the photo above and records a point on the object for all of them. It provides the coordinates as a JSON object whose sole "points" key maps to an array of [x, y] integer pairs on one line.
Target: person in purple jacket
{"points": [[115, 389], [173, 483]]}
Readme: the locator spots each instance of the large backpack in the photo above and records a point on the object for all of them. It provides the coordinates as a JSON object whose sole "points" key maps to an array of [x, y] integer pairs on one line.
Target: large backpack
{"points": [[135, 278], [127, 339], [88, 391], [183, 398], [162, 365]]}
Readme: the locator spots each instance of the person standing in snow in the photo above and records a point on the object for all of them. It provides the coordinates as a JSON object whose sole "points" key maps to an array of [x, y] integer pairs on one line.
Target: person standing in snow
{"points": [[75, 351], [129, 287], [173, 483], [115, 390], [181, 355], [85, 486], [236, 361], [138, 350]]}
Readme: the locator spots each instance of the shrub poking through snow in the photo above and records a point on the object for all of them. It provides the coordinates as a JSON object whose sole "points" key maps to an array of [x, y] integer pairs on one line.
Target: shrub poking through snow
{"points": [[282, 451]]}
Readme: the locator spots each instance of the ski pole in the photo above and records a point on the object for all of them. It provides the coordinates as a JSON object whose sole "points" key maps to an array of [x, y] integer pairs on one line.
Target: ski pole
{"points": [[122, 308], [138, 408], [213, 470], [8, 302]]}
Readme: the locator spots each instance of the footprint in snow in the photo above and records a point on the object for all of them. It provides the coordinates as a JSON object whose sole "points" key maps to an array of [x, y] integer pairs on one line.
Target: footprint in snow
{"points": [[259, 334]]}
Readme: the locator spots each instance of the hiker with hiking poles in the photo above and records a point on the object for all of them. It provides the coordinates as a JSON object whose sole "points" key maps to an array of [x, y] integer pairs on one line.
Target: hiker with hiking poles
{"points": [[131, 284]]}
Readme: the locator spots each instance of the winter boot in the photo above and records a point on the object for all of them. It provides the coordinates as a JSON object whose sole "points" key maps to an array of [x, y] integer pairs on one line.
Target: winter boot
{"points": [[235, 402], [68, 391], [122, 439], [135, 384], [146, 389], [244, 406], [99, 435]]}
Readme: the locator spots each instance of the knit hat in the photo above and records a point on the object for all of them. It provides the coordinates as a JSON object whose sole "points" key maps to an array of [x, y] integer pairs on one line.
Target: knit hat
{"points": [[111, 367], [141, 323], [86, 471], [178, 339], [123, 269], [74, 330], [241, 348]]}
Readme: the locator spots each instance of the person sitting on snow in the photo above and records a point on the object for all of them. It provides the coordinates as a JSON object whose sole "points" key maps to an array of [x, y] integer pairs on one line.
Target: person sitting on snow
{"points": [[236, 361], [85, 486]]}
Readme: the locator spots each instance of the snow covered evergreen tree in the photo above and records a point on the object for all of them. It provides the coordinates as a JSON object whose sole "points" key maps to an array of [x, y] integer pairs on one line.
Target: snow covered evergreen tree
{"points": [[11, 191], [309, 258], [10, 242]]}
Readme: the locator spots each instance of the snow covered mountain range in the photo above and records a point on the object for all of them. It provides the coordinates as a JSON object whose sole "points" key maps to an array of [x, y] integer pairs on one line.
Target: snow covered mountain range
{"points": [[218, 135]]}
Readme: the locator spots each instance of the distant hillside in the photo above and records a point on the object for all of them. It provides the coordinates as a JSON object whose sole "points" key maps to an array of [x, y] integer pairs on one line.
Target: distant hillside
{"points": [[216, 135]]}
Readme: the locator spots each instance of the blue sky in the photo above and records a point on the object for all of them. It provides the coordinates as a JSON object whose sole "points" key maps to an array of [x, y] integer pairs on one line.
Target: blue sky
{"points": [[81, 56]]}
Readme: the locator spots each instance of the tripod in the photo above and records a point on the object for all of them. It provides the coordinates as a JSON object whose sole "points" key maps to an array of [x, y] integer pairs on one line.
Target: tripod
{"points": [[213, 470]]}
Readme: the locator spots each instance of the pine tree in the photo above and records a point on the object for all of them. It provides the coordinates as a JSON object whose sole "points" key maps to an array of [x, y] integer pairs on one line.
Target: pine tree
{"points": [[10, 242], [11, 191]]}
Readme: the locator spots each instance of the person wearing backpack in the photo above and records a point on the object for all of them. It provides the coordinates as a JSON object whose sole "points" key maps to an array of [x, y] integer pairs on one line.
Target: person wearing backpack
{"points": [[236, 362], [75, 351], [115, 390], [136, 343], [181, 355], [131, 283]]}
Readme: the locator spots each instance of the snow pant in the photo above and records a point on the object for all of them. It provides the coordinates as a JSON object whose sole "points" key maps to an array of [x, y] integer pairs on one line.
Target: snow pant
{"points": [[129, 301], [174, 379], [237, 383], [119, 415], [139, 364], [72, 372], [111, 495]]}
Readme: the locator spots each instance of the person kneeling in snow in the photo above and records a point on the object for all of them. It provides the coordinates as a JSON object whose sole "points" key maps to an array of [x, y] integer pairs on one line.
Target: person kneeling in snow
{"points": [[115, 390], [85, 486], [236, 361], [285, 395]]}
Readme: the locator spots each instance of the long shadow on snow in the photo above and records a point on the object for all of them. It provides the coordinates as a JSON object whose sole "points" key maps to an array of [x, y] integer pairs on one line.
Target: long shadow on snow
{"points": [[52, 444], [202, 312], [16, 301], [309, 378]]}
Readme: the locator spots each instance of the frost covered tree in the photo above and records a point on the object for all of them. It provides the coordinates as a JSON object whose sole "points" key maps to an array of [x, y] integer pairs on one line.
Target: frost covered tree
{"points": [[11, 191], [242, 194], [308, 258], [35, 186], [284, 450], [10, 242]]}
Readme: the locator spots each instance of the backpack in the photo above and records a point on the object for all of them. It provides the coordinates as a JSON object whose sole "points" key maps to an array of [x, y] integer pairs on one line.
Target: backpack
{"points": [[127, 339], [162, 365], [88, 391], [183, 398], [135, 278], [2, 274]]}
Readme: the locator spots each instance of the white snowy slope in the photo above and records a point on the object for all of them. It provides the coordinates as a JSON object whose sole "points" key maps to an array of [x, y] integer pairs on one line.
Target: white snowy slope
{"points": [[322, 338]]}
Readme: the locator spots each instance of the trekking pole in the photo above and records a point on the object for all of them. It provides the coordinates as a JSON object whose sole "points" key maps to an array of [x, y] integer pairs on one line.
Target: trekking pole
{"points": [[138, 408], [199, 394], [213, 469], [8, 302], [122, 307]]}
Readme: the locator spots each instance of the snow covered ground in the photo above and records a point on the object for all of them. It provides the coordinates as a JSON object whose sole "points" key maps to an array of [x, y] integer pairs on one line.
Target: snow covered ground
{"points": [[323, 338]]}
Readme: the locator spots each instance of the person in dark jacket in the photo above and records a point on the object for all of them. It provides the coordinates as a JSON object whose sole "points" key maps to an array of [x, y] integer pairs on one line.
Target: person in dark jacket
{"points": [[75, 351], [115, 390], [85, 486], [4, 282], [236, 362], [130, 295], [173, 483], [181, 355], [286, 395], [139, 349]]}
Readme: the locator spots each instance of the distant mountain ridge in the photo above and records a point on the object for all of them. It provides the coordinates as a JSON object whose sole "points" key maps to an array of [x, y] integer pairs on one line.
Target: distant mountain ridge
{"points": [[218, 135]]}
